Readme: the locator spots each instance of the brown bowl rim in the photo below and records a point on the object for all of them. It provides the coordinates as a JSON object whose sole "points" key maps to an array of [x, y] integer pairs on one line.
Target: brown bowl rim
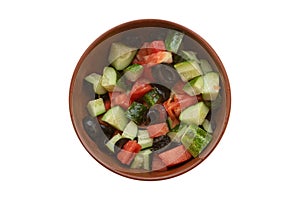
{"points": [[164, 24]]}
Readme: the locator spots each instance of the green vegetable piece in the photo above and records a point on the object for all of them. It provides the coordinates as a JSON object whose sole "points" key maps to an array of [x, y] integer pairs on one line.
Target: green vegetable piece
{"points": [[173, 40], [144, 140], [176, 134], [142, 160], [152, 97], [211, 86], [205, 66], [189, 55], [109, 78], [133, 72], [207, 126], [188, 70], [192, 56], [121, 55], [115, 116], [96, 107], [194, 114], [95, 79], [130, 130], [111, 143], [136, 112], [194, 86], [195, 139]]}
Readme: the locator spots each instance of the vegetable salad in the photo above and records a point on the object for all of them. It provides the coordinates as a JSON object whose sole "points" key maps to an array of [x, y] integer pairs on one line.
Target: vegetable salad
{"points": [[152, 105]]}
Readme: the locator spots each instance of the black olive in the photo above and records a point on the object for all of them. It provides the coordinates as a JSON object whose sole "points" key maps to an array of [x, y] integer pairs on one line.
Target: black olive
{"points": [[163, 91], [160, 142], [92, 127], [165, 75], [120, 143]]}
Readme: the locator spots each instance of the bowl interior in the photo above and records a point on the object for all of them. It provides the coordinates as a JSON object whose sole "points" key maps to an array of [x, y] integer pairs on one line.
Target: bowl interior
{"points": [[95, 59]]}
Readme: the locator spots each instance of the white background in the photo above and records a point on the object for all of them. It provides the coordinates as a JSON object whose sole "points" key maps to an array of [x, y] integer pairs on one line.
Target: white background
{"points": [[40, 45]]}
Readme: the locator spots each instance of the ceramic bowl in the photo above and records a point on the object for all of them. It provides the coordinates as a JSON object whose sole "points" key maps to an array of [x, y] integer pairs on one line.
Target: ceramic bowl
{"points": [[94, 59]]}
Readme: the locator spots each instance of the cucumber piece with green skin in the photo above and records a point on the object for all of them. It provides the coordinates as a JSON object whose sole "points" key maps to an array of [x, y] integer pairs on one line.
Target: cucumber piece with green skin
{"points": [[136, 112], [143, 139], [194, 86], [173, 40], [194, 114], [96, 107], [211, 86], [152, 97], [121, 55], [133, 72], [111, 143], [130, 130], [95, 79], [115, 116], [188, 70], [109, 78], [195, 139]]}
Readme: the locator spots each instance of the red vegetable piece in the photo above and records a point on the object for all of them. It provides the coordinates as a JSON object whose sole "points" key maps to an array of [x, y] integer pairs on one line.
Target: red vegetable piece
{"points": [[120, 99], [128, 152], [158, 164], [175, 156], [139, 89], [185, 100], [156, 130]]}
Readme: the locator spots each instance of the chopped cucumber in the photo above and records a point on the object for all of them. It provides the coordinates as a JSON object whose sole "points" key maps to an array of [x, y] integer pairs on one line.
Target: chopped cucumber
{"points": [[207, 126], [115, 116], [195, 139], [205, 66], [144, 140], [194, 86], [136, 112], [189, 55], [96, 107], [142, 160], [194, 114], [121, 55], [152, 97], [211, 86], [130, 130], [188, 70], [192, 56], [95, 79], [111, 143], [173, 40], [109, 78], [176, 135], [133, 72]]}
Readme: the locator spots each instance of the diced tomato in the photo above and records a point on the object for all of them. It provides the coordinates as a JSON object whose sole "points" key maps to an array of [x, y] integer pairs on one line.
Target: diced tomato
{"points": [[158, 164], [120, 99], [152, 54], [158, 57], [128, 152], [175, 156], [156, 130], [156, 46], [139, 89]]}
